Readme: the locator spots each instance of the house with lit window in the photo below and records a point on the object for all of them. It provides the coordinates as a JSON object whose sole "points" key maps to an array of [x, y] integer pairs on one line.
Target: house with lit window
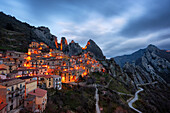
{"points": [[45, 81], [30, 83], [67, 77], [57, 82], [40, 99], [15, 93], [29, 103]]}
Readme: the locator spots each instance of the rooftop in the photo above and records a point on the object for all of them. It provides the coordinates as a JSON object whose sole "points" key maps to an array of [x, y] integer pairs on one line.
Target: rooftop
{"points": [[11, 82], [2, 106], [55, 76], [38, 92]]}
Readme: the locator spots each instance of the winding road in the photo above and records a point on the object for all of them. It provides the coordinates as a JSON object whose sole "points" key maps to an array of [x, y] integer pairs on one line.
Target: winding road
{"points": [[97, 100], [130, 103], [134, 99]]}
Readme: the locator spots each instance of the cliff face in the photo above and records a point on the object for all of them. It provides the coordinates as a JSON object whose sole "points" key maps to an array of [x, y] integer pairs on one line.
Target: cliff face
{"points": [[74, 48], [152, 64], [95, 49], [44, 34]]}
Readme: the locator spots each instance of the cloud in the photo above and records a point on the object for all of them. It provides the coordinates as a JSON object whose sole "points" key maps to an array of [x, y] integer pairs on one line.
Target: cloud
{"points": [[118, 27]]}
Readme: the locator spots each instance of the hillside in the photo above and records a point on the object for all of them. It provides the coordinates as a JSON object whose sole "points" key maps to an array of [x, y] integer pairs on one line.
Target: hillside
{"points": [[16, 35], [151, 62]]}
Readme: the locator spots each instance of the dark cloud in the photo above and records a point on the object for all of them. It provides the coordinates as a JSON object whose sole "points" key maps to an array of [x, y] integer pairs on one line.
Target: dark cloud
{"points": [[118, 27], [157, 17]]}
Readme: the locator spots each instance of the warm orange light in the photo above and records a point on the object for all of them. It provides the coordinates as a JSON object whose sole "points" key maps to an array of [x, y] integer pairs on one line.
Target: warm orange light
{"points": [[88, 43], [18, 76], [63, 79], [31, 75], [56, 43], [84, 73], [71, 77], [40, 48], [29, 53], [28, 58], [44, 66], [35, 52], [61, 47], [65, 70]]}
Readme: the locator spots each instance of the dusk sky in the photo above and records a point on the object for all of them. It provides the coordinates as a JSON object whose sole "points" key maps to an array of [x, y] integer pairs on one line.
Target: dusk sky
{"points": [[118, 27]]}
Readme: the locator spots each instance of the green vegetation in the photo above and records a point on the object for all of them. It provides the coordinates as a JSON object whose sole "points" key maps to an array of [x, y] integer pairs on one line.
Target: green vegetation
{"points": [[118, 86], [71, 99], [100, 78]]}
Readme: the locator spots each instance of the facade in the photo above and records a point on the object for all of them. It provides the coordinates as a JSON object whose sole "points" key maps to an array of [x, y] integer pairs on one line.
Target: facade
{"points": [[29, 103], [40, 99], [57, 82], [45, 81], [15, 93], [30, 83]]}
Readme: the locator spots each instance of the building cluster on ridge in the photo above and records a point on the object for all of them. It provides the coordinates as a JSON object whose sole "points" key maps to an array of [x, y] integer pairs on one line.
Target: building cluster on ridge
{"points": [[25, 76]]}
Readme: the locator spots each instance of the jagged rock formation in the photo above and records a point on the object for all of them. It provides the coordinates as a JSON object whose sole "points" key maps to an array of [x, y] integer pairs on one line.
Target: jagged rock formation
{"points": [[115, 70], [64, 45], [152, 65], [44, 34], [74, 48], [94, 48]]}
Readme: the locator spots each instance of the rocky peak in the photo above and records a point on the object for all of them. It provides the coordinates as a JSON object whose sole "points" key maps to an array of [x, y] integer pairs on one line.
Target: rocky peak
{"points": [[64, 45], [74, 48], [94, 48], [72, 41], [45, 29], [152, 48], [64, 41]]}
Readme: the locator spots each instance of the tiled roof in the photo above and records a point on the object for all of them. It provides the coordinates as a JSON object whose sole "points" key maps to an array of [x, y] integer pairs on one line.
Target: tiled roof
{"points": [[2, 106], [38, 92], [11, 82], [46, 76], [56, 76]]}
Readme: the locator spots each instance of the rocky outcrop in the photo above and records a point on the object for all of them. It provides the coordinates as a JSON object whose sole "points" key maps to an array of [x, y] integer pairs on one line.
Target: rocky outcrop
{"points": [[115, 71], [151, 64], [44, 34], [95, 49], [64, 45], [74, 48]]}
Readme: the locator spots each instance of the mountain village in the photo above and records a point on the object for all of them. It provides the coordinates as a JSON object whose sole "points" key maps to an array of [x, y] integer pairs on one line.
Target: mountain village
{"points": [[24, 77]]}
